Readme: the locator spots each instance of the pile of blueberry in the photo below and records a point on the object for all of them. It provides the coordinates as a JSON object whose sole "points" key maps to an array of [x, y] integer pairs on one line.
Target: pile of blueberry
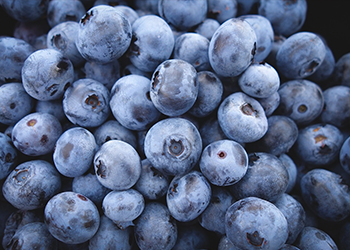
{"points": [[172, 124]]}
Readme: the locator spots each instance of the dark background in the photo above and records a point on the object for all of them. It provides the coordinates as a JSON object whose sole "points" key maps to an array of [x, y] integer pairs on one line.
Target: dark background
{"points": [[331, 19]]}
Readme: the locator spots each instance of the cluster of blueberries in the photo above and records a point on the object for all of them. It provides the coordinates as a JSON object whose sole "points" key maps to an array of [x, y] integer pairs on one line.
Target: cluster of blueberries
{"points": [[172, 124]]}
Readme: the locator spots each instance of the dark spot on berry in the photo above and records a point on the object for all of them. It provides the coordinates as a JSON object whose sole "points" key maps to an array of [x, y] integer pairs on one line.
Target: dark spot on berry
{"points": [[58, 42], [8, 157], [176, 147], [82, 197], [101, 169], [12, 105], [93, 101], [63, 65], [222, 154], [67, 149], [253, 158], [255, 239], [31, 122], [148, 96], [44, 139], [21, 175], [248, 109], [155, 80], [86, 17]]}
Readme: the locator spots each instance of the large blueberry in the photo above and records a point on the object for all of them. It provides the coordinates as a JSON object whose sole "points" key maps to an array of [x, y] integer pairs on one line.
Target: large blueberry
{"points": [[71, 217], [31, 184], [24, 10], [232, 47], [173, 146], [253, 223], [222, 10], [174, 87], [117, 165], [59, 11], [104, 34], [313, 238], [224, 162]]}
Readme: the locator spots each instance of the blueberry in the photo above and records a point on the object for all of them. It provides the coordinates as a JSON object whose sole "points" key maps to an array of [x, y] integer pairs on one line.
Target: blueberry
{"points": [[107, 73], [33, 235], [313, 238], [233, 33], [31, 184], [89, 186], [180, 13], [264, 34], [15, 51], [74, 152], [46, 74], [325, 194], [36, 133], [85, 103], [253, 223], [104, 34], [155, 228], [207, 27], [174, 87], [8, 156], [211, 131], [53, 107], [336, 106], [109, 235], [59, 11], [128, 12], [270, 104], [266, 178], [210, 94], [193, 48], [294, 213], [242, 118], [340, 75], [286, 17], [224, 162], [173, 146], [152, 184], [150, 46], [113, 130], [123, 207], [131, 103], [24, 10], [222, 10], [300, 55], [62, 37], [71, 217], [117, 165], [147, 6], [259, 80], [188, 196], [319, 144], [213, 217], [292, 171], [131, 69], [301, 100]]}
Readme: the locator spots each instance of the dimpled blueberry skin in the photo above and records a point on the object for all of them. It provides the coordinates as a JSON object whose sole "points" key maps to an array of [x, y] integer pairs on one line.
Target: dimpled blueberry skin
{"points": [[180, 13], [336, 106], [33, 235], [113, 130], [286, 17], [25, 11], [232, 47], [15, 51], [325, 194], [110, 236], [193, 48], [319, 144], [104, 34], [31, 184], [122, 207], [294, 213], [152, 184], [8, 156], [264, 34], [59, 11], [74, 152], [155, 229], [15, 103], [300, 55], [213, 217], [224, 162], [117, 165], [173, 146], [86, 103], [188, 196], [301, 100], [266, 178], [71, 217], [62, 38], [174, 87], [242, 118], [259, 80], [209, 94], [152, 42], [312, 238], [131, 104], [254, 223], [36, 134], [46, 74]]}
